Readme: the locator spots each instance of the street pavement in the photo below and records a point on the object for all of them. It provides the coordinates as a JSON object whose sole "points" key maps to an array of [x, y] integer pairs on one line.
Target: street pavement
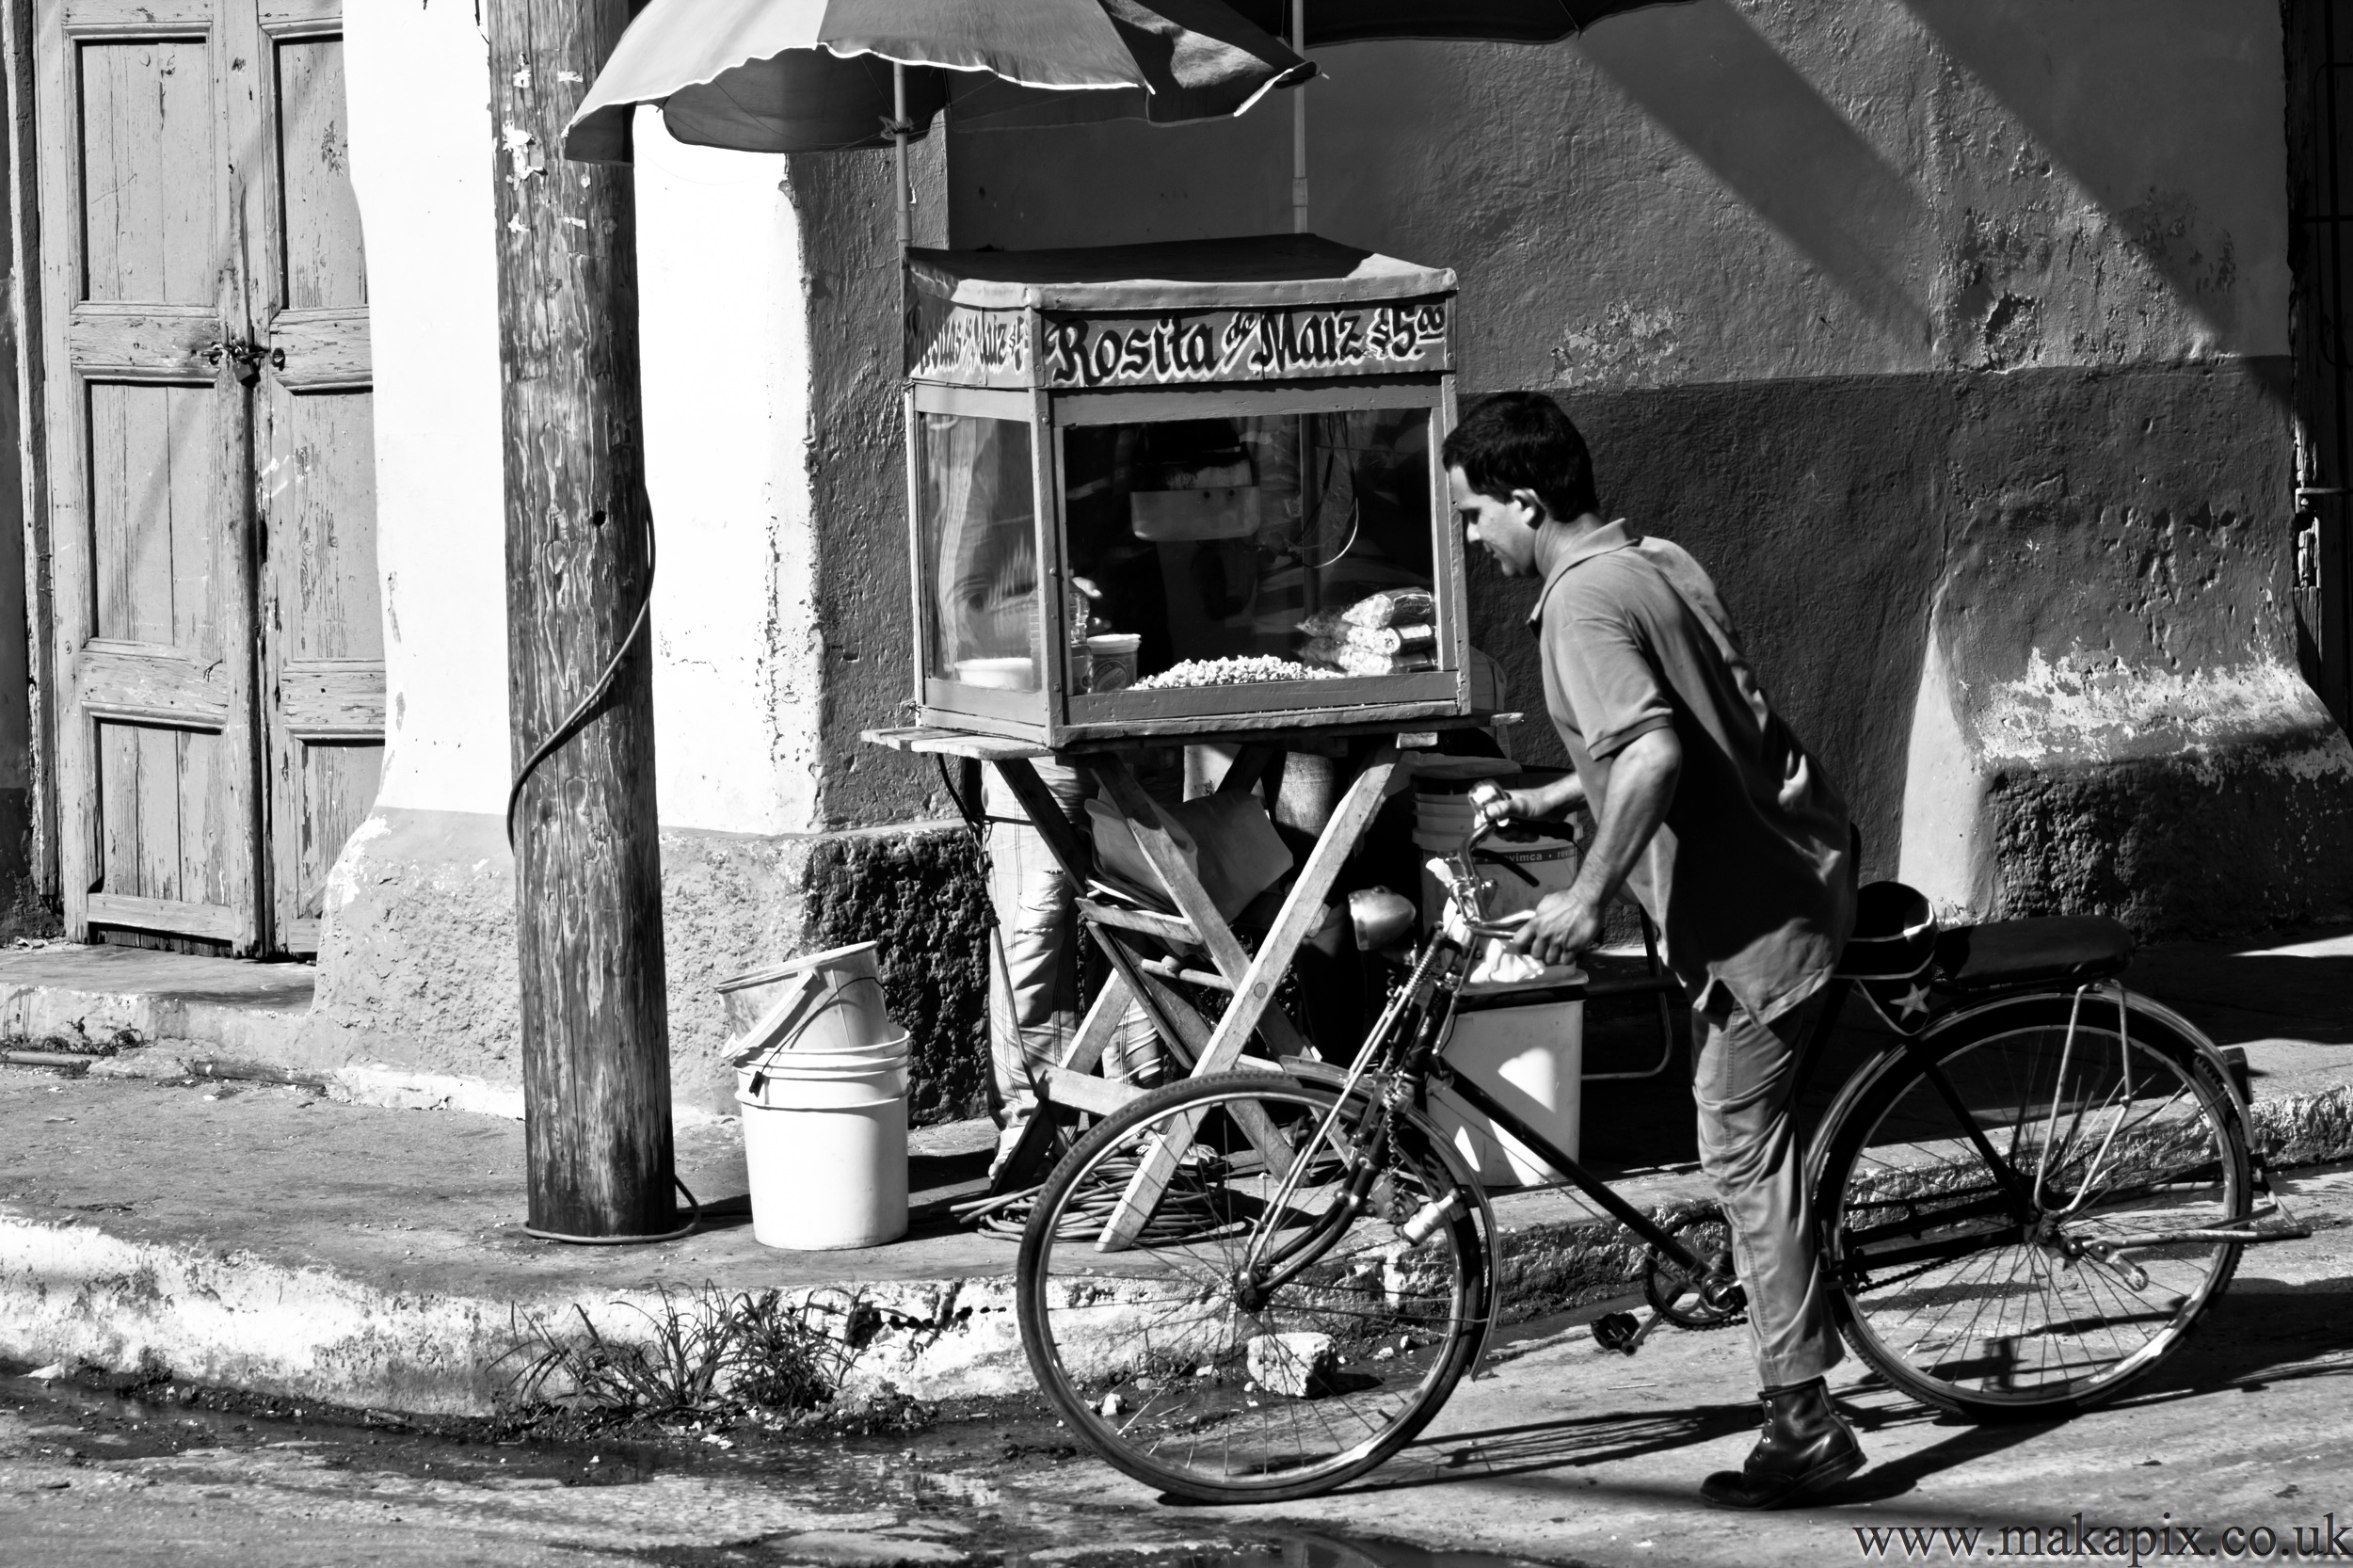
{"points": [[306, 1237], [1556, 1452], [1568, 1454]]}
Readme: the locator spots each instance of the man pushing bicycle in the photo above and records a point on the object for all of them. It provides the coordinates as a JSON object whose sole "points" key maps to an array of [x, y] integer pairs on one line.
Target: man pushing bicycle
{"points": [[1712, 814]]}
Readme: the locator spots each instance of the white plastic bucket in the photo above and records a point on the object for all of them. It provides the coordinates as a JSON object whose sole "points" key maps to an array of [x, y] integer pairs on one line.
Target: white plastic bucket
{"points": [[1551, 863], [810, 1064], [826, 1001], [1532, 1059], [826, 1150]]}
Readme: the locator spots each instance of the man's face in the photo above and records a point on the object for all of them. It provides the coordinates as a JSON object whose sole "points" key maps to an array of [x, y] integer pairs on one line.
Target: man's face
{"points": [[1506, 526]]}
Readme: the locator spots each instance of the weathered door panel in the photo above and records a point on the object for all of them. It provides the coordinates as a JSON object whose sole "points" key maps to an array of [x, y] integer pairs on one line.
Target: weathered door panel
{"points": [[322, 649], [150, 463], [218, 627]]}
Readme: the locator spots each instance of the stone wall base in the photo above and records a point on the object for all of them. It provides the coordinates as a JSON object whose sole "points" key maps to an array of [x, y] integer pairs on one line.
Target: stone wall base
{"points": [[417, 969], [2244, 837]]}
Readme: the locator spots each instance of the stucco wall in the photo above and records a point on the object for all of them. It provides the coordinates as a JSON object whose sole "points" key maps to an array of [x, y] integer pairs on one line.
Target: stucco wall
{"points": [[417, 81], [1951, 334], [762, 613], [1738, 188], [726, 393]]}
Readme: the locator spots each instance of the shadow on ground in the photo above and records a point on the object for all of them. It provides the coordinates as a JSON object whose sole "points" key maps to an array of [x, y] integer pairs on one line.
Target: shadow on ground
{"points": [[2262, 1333], [2238, 997]]}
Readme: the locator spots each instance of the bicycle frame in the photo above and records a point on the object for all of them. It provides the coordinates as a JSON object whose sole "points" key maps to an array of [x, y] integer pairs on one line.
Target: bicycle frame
{"points": [[1413, 1067], [1423, 1059]]}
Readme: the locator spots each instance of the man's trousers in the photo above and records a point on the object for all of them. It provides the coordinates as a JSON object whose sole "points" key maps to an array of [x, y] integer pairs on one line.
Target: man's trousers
{"points": [[1744, 1081]]}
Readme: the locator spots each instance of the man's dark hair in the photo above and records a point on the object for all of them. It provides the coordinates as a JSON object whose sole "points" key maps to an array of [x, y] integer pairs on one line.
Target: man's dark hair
{"points": [[1521, 441]]}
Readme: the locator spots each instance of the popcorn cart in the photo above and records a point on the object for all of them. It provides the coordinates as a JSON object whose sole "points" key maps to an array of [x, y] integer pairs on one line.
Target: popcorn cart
{"points": [[1183, 493], [1176, 489]]}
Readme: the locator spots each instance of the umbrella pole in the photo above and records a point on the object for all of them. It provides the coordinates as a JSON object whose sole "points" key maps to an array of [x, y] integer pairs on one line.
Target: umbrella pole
{"points": [[1299, 125], [899, 141]]}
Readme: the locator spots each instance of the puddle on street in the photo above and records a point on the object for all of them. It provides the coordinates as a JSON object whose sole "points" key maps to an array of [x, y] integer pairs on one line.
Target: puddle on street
{"points": [[943, 1483]]}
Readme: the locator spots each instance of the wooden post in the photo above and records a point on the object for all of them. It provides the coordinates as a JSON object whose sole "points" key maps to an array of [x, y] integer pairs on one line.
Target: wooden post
{"points": [[587, 858]]}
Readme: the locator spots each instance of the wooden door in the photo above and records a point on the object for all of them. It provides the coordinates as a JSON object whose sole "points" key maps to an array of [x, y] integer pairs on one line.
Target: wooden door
{"points": [[322, 616], [206, 414]]}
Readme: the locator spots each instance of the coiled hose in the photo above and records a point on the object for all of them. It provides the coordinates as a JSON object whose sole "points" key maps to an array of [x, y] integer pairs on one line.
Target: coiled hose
{"points": [[1190, 1210]]}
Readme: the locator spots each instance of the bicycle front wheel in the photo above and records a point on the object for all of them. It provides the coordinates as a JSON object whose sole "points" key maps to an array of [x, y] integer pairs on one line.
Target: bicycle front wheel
{"points": [[2021, 1220], [1293, 1302]]}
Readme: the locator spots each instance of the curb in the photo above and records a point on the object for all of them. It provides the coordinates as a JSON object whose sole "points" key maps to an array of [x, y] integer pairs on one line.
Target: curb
{"points": [[71, 1293], [369, 1083], [246, 1029]]}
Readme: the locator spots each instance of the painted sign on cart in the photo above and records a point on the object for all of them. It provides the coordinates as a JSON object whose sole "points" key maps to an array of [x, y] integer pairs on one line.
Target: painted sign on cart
{"points": [[1196, 349], [968, 345]]}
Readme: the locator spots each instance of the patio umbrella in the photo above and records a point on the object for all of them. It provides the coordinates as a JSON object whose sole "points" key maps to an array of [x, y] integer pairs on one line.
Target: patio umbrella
{"points": [[825, 75]]}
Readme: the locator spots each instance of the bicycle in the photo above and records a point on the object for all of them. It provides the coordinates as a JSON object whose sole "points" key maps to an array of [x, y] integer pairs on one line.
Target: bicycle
{"points": [[1259, 1284]]}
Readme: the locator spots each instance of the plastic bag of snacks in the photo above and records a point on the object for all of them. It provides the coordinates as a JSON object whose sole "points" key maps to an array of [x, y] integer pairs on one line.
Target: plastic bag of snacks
{"points": [[1393, 607], [1355, 659]]}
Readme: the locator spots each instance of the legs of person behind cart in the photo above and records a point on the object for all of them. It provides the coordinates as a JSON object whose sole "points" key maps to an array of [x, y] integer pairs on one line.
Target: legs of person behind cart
{"points": [[1744, 1082], [1034, 970]]}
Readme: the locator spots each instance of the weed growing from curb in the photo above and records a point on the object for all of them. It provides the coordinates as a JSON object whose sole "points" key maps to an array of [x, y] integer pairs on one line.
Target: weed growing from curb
{"points": [[709, 1355]]}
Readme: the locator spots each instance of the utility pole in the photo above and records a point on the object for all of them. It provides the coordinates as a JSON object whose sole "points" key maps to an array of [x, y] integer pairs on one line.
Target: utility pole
{"points": [[587, 854]]}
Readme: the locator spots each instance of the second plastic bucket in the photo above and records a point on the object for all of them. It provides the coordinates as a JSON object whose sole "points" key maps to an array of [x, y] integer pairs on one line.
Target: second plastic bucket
{"points": [[831, 1001]]}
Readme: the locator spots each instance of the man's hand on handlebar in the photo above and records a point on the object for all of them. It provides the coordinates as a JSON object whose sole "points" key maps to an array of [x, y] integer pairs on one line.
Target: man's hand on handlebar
{"points": [[1562, 926], [1543, 803]]}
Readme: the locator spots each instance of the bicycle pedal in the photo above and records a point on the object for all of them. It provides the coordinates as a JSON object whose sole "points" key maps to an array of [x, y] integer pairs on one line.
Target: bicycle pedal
{"points": [[1620, 1331]]}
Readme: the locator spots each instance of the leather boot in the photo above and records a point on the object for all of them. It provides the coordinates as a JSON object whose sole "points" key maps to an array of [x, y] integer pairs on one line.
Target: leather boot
{"points": [[1807, 1445]]}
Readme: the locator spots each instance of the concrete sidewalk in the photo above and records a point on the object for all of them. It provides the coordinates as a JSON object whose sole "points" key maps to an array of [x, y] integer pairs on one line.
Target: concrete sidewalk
{"points": [[292, 1237]]}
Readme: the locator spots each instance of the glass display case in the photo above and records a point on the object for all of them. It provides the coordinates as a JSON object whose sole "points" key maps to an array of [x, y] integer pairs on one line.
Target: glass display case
{"points": [[1181, 488]]}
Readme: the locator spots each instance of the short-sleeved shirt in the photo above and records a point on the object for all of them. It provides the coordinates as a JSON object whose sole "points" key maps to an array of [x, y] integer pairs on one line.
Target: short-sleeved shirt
{"points": [[1750, 877]]}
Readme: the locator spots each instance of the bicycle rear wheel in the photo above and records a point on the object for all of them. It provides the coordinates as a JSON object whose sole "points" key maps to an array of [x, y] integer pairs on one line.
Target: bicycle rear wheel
{"points": [[2081, 1255], [1173, 1363]]}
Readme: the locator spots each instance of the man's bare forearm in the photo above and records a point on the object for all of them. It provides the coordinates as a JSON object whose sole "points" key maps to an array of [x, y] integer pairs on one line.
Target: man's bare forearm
{"points": [[1548, 802], [1642, 788]]}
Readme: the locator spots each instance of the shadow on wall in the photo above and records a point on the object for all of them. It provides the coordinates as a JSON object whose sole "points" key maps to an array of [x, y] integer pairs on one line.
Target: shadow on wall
{"points": [[1814, 505], [2106, 111], [1721, 88]]}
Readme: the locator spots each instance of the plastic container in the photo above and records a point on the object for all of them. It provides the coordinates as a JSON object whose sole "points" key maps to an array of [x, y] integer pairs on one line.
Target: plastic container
{"points": [[825, 1148], [1523, 874], [1524, 870], [1111, 661], [831, 1001], [1531, 1057], [1015, 673]]}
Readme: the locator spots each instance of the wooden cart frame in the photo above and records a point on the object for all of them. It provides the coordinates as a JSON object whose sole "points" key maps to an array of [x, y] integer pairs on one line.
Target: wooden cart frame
{"points": [[1250, 978]]}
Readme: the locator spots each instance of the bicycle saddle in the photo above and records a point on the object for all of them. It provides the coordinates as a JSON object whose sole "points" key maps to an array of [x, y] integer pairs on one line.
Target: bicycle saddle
{"points": [[2077, 949]]}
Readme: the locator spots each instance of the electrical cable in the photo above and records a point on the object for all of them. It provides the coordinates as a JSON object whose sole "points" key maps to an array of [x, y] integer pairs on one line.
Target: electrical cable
{"points": [[540, 753], [579, 716], [694, 1221]]}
